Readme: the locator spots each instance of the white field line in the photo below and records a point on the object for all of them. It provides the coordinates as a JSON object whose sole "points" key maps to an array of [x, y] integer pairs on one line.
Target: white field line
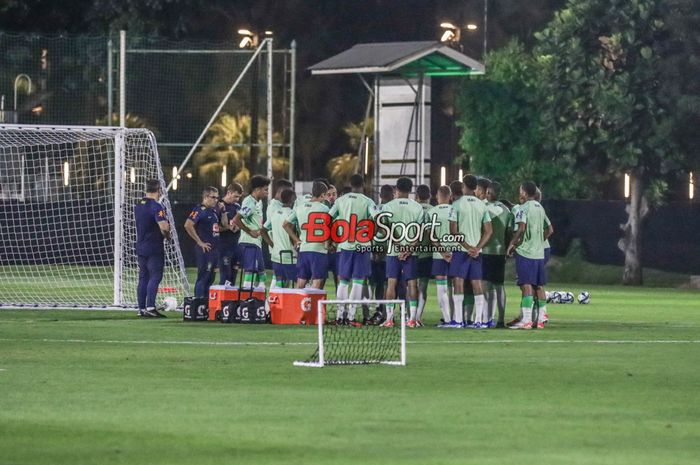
{"points": [[280, 344]]}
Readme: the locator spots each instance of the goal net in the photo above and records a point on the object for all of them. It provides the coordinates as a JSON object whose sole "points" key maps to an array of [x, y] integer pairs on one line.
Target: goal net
{"points": [[343, 343], [67, 228]]}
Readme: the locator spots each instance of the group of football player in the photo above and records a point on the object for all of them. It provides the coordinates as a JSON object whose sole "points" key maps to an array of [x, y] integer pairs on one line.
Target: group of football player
{"points": [[464, 248]]}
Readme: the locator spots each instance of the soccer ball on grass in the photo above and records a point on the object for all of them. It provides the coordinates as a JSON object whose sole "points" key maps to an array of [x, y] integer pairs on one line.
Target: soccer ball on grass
{"points": [[169, 304], [584, 297]]}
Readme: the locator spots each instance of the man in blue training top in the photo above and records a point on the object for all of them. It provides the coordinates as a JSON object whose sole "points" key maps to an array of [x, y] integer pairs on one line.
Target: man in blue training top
{"points": [[230, 233], [152, 227], [203, 226]]}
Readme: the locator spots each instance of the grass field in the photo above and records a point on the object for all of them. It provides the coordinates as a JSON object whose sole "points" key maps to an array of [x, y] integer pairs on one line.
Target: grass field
{"points": [[614, 382]]}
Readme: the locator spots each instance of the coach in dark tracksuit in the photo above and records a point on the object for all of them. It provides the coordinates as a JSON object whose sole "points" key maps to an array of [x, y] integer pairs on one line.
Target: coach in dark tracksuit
{"points": [[228, 256], [151, 227], [203, 226]]}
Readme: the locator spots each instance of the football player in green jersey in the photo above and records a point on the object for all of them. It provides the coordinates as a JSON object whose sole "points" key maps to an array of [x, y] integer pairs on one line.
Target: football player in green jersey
{"points": [[528, 246], [312, 263], [495, 255], [352, 264], [400, 261], [424, 257], [442, 255], [249, 220], [470, 219]]}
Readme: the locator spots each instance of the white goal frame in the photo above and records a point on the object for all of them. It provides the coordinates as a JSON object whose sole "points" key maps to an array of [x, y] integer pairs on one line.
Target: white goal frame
{"points": [[320, 320], [119, 135]]}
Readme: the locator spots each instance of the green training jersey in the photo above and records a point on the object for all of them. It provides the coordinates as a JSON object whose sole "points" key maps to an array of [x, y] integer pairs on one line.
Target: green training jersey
{"points": [[470, 214], [357, 204], [405, 212], [379, 243], [425, 242], [532, 215], [512, 225], [272, 206], [251, 216], [299, 216], [283, 249], [500, 222], [442, 217]]}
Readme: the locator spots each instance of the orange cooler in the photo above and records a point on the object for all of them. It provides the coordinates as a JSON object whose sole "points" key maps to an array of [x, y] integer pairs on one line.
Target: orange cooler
{"points": [[218, 294], [290, 306]]}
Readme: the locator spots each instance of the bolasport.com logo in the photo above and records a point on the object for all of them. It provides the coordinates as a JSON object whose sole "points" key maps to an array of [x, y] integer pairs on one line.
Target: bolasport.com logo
{"points": [[381, 234]]}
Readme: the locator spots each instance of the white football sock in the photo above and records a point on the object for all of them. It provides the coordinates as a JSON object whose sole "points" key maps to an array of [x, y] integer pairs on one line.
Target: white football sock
{"points": [[444, 302], [458, 300], [491, 302], [355, 294], [479, 308], [501, 300], [341, 294]]}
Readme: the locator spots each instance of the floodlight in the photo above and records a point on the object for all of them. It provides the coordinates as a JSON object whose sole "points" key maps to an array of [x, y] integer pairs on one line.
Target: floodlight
{"points": [[447, 36]]}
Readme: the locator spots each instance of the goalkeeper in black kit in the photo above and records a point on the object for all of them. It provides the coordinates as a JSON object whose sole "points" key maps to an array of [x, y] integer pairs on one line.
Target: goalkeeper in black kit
{"points": [[152, 227]]}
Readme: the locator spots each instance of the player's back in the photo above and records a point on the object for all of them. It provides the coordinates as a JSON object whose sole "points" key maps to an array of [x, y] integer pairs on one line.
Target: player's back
{"points": [[352, 204], [441, 215], [469, 213], [500, 222], [280, 253], [309, 212], [402, 211], [147, 213]]}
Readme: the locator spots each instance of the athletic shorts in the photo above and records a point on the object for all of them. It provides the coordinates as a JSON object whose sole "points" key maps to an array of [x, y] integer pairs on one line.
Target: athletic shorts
{"points": [[252, 258], [404, 270], [424, 265], [354, 265], [333, 263], [494, 267], [312, 265], [440, 267], [530, 271], [285, 271], [547, 254], [465, 267]]}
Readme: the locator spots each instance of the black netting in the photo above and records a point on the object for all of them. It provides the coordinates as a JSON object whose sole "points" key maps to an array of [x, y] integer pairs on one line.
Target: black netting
{"points": [[366, 343]]}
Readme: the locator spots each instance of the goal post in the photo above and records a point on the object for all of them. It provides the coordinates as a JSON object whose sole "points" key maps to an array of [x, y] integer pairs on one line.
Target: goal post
{"points": [[345, 344], [67, 227]]}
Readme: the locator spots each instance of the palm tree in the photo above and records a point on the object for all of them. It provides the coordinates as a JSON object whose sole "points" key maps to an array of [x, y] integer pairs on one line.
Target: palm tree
{"points": [[340, 168], [228, 144]]}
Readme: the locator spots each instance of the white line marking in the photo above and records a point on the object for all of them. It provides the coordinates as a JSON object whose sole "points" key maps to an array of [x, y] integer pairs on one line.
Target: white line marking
{"points": [[273, 344]]}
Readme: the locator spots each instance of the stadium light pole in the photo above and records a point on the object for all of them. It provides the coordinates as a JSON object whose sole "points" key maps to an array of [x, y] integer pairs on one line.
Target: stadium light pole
{"points": [[251, 39]]}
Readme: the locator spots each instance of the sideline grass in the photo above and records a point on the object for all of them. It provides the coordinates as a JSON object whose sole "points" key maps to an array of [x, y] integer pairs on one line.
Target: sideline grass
{"points": [[573, 393]]}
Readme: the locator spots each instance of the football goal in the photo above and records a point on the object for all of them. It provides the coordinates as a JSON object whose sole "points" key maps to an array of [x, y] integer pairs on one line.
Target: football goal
{"points": [[67, 229], [341, 342]]}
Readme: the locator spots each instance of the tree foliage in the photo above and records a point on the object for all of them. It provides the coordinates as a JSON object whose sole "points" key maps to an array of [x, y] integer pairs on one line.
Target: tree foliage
{"points": [[500, 121], [227, 143], [340, 168]]}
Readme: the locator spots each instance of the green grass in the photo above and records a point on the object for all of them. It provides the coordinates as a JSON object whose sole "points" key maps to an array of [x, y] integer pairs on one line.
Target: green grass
{"points": [[614, 382]]}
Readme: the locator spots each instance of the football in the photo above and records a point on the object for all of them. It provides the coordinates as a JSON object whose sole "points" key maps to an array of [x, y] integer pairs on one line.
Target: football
{"points": [[169, 304], [553, 297], [584, 297], [567, 297]]}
